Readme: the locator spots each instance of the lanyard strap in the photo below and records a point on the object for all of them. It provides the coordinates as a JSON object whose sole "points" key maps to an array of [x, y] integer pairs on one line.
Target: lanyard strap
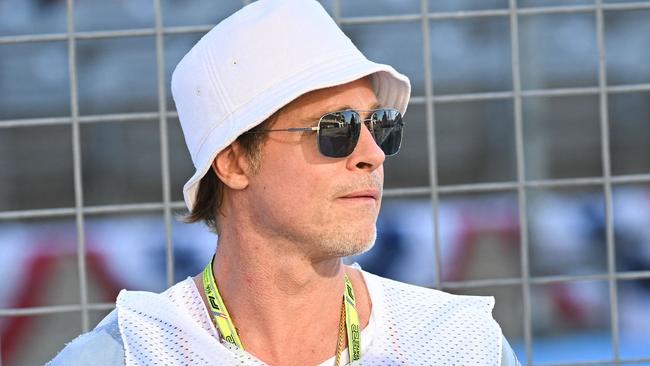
{"points": [[219, 311], [352, 321], [229, 332]]}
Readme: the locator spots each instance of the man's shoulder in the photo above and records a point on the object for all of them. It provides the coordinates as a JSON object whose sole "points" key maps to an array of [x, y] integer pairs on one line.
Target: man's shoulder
{"points": [[104, 344], [101, 346], [417, 295], [440, 316], [437, 309]]}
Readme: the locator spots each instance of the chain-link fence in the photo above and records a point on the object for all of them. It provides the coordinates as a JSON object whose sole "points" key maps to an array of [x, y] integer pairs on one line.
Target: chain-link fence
{"points": [[520, 109]]}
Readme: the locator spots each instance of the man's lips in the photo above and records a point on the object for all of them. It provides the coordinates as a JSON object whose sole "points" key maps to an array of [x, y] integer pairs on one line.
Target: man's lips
{"points": [[362, 194]]}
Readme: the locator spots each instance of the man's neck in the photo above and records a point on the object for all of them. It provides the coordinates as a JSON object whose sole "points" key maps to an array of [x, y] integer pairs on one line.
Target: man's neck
{"points": [[282, 302]]}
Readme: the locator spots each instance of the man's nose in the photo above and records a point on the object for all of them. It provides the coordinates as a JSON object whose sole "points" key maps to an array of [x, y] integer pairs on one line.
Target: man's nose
{"points": [[367, 155]]}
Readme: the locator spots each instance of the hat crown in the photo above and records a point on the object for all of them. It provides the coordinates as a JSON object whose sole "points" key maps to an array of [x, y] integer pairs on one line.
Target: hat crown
{"points": [[251, 51]]}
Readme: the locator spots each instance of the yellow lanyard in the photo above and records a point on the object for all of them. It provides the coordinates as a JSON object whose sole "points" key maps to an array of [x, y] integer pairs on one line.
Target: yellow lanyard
{"points": [[219, 311], [352, 322], [229, 333]]}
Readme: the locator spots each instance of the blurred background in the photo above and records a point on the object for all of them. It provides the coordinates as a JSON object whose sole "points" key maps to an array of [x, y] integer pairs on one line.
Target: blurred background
{"points": [[524, 174]]}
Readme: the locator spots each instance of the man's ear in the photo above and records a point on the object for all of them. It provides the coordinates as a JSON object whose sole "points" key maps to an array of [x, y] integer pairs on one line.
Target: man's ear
{"points": [[232, 167]]}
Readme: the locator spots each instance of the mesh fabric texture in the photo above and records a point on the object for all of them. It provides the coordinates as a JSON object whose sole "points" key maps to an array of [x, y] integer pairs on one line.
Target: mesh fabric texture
{"points": [[409, 325]]}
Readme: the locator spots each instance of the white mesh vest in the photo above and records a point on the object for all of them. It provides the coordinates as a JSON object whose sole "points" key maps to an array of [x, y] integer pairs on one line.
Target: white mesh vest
{"points": [[409, 325]]}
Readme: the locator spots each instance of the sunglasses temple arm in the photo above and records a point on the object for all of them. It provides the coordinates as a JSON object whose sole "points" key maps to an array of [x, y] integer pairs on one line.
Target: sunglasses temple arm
{"points": [[314, 128], [295, 129]]}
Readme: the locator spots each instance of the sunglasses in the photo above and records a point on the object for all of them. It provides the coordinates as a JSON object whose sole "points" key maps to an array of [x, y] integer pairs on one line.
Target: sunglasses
{"points": [[338, 132]]}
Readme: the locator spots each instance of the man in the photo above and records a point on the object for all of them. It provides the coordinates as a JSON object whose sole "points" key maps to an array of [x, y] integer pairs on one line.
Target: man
{"points": [[288, 125]]}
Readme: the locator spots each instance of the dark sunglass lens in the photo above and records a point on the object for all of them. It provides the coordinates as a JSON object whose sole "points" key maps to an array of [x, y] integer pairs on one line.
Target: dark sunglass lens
{"points": [[339, 133], [386, 128]]}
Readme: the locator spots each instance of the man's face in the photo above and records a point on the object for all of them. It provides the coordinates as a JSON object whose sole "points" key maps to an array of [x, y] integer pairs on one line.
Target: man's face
{"points": [[327, 207]]}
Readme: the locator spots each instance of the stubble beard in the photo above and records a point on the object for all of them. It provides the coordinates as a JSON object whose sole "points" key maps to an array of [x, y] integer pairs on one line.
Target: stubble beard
{"points": [[331, 241], [343, 242], [331, 237], [326, 240]]}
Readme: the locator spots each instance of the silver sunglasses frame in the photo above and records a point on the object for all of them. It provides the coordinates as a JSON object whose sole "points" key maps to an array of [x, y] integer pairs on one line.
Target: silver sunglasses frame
{"points": [[317, 128]]}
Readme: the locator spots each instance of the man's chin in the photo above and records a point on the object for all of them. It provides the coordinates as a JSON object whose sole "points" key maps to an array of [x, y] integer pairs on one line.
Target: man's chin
{"points": [[355, 244], [364, 247], [343, 241]]}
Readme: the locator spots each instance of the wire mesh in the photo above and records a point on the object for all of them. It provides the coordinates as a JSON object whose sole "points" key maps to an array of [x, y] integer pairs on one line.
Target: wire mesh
{"points": [[430, 100]]}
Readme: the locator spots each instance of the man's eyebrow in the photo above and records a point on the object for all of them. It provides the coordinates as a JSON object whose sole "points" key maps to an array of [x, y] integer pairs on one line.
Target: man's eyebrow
{"points": [[376, 105]]}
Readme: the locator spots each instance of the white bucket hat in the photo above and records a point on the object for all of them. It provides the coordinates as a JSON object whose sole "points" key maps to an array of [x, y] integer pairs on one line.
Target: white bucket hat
{"points": [[258, 60]]}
